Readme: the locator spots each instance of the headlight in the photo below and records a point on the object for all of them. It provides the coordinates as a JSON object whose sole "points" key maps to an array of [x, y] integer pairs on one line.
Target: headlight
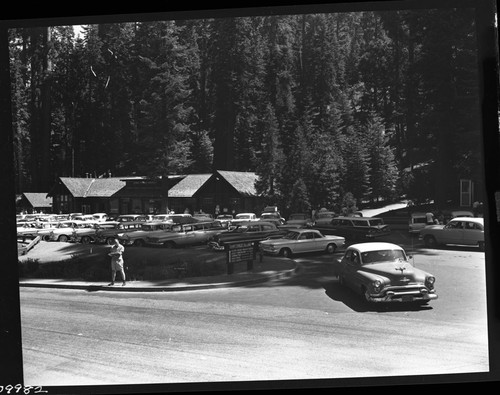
{"points": [[429, 281], [377, 286]]}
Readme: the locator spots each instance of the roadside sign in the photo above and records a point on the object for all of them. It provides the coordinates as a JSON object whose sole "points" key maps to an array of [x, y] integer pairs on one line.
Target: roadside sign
{"points": [[240, 252]]}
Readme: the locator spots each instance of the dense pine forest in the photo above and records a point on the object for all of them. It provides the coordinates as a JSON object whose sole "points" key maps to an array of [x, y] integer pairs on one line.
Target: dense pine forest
{"points": [[323, 107]]}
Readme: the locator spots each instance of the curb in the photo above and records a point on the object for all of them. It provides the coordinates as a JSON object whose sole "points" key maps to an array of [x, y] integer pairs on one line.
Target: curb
{"points": [[254, 279]]}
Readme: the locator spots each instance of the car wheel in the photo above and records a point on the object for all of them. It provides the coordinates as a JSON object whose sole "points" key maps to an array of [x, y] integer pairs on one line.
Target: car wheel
{"points": [[62, 238], [286, 252], [331, 248], [139, 243], [481, 245], [430, 242], [46, 238], [169, 244], [85, 240], [110, 241]]}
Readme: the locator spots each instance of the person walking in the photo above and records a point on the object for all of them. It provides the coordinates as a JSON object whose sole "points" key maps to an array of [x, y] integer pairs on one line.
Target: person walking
{"points": [[116, 255]]}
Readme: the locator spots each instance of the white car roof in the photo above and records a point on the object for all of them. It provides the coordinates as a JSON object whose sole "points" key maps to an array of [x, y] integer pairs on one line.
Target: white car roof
{"points": [[478, 220], [375, 246]]}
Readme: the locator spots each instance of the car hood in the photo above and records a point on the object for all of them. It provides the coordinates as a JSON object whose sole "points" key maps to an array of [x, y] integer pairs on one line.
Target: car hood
{"points": [[394, 270]]}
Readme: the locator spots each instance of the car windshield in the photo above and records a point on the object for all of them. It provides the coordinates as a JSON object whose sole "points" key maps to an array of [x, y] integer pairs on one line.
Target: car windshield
{"points": [[381, 256], [291, 235]]}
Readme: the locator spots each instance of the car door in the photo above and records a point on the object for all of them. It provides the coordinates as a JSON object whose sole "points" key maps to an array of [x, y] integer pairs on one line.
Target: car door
{"points": [[453, 233], [351, 264], [188, 236], [473, 233], [305, 242]]}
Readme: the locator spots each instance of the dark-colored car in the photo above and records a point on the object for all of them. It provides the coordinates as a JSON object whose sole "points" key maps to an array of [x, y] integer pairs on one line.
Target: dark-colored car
{"points": [[254, 231], [355, 228]]}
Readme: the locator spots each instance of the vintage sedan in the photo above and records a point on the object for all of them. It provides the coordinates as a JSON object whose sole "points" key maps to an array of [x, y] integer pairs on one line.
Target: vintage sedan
{"points": [[243, 217], [253, 231], [298, 241], [467, 231], [109, 230], [137, 237], [382, 272], [63, 231], [182, 235]]}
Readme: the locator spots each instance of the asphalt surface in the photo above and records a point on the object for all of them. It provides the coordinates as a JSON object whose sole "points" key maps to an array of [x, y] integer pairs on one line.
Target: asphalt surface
{"points": [[269, 269]]}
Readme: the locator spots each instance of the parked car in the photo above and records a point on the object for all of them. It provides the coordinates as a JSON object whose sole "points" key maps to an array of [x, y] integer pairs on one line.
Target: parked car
{"points": [[63, 232], [382, 272], [417, 222], [132, 218], [83, 217], [324, 217], [273, 217], [186, 234], [175, 218], [137, 237], [299, 220], [254, 231], [298, 241], [458, 231], [27, 230], [85, 232], [109, 230], [203, 217], [355, 228], [100, 217], [225, 219], [243, 217]]}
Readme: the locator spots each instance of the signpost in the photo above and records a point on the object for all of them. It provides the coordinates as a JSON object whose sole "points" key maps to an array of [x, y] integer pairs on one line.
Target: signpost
{"points": [[240, 252]]}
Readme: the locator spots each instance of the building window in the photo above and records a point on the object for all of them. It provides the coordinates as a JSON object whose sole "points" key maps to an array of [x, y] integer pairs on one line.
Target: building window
{"points": [[465, 193]]}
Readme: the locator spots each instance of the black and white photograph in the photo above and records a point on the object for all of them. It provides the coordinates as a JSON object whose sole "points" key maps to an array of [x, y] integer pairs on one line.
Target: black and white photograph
{"points": [[301, 196]]}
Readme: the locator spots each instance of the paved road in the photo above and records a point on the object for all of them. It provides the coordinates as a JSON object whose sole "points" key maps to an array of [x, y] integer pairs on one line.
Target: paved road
{"points": [[306, 327]]}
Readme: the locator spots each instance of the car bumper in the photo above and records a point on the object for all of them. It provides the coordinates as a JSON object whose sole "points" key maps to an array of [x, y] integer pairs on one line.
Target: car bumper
{"points": [[423, 295]]}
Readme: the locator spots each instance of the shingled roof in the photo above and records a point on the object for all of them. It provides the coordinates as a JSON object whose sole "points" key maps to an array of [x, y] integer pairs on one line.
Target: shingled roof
{"points": [[93, 187], [188, 186], [242, 181], [38, 199]]}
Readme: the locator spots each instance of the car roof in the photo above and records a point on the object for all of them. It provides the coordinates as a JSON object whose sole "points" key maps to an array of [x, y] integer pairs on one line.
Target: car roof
{"points": [[478, 220], [358, 218], [374, 246]]}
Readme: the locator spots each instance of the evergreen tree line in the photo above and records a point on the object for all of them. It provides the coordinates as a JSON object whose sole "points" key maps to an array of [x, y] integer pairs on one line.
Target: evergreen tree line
{"points": [[325, 108]]}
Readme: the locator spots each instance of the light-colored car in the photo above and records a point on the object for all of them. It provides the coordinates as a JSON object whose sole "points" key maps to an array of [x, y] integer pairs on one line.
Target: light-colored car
{"points": [[132, 218], [63, 232], [225, 219], [382, 272], [467, 231], [243, 217], [27, 230], [273, 217], [298, 241], [186, 234], [100, 217], [138, 237]]}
